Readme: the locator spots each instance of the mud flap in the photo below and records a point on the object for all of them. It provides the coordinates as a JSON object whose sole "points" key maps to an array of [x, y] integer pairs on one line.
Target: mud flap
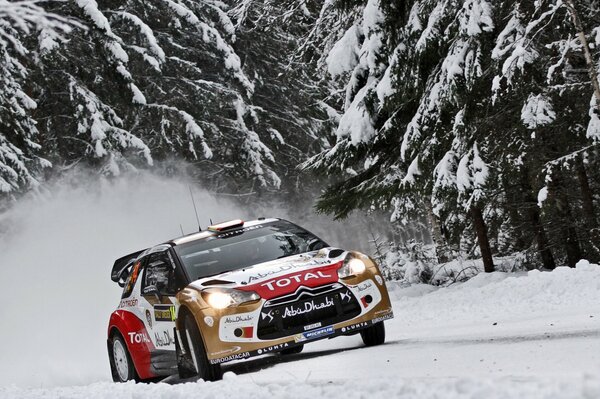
{"points": [[185, 364]]}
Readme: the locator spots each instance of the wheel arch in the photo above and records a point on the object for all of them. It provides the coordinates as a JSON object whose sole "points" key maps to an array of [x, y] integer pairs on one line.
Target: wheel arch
{"points": [[120, 323]]}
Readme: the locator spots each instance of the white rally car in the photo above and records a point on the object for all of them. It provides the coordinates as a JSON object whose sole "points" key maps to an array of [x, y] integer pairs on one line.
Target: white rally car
{"points": [[237, 290]]}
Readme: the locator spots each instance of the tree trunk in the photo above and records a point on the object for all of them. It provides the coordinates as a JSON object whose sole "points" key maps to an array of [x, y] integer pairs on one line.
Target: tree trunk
{"points": [[533, 216], [567, 229], [591, 66], [436, 236], [482, 239], [586, 194]]}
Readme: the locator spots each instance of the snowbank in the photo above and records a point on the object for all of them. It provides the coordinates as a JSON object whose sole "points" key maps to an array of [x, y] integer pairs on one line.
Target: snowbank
{"points": [[500, 296], [372, 388]]}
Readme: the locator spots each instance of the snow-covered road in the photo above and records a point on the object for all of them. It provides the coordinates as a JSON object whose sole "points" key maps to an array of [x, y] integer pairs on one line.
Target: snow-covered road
{"points": [[531, 335]]}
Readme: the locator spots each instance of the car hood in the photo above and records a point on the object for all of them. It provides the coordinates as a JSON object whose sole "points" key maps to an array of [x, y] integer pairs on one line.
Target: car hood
{"points": [[281, 276]]}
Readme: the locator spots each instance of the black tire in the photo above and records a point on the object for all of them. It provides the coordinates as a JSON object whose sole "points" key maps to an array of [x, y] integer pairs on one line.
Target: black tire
{"points": [[195, 347], [374, 335], [293, 351], [121, 365]]}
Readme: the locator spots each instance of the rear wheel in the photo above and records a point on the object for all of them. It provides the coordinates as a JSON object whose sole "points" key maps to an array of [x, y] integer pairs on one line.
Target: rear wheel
{"points": [[195, 347], [292, 351], [374, 335], [122, 366]]}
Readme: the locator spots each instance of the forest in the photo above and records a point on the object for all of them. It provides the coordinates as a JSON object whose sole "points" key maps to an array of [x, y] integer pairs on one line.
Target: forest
{"points": [[470, 127]]}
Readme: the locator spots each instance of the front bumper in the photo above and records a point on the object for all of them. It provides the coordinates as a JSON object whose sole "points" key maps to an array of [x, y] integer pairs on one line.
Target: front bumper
{"points": [[309, 314], [349, 327]]}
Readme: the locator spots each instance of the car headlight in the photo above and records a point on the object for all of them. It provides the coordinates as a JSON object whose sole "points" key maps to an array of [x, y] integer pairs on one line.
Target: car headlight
{"points": [[352, 267], [221, 298]]}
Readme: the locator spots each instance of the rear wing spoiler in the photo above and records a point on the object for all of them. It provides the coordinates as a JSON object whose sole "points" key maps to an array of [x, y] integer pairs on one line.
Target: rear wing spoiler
{"points": [[120, 268]]}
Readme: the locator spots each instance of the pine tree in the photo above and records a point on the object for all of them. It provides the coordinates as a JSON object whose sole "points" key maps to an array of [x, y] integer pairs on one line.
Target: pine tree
{"points": [[20, 159]]}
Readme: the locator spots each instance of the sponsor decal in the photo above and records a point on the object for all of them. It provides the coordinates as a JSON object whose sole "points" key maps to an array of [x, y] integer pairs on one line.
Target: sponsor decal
{"points": [[164, 313], [282, 283], [385, 311], [237, 319], [164, 339], [244, 332], [226, 351], [133, 277], [285, 268], [229, 358], [299, 338], [272, 348], [128, 303], [364, 286], [366, 300], [149, 318], [264, 315], [382, 318], [260, 276], [292, 310], [379, 279], [345, 296], [138, 338], [298, 278], [317, 333], [209, 321], [357, 326], [311, 326]]}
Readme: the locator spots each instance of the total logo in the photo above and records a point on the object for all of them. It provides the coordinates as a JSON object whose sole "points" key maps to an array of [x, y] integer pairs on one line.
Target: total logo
{"points": [[298, 278], [138, 338]]}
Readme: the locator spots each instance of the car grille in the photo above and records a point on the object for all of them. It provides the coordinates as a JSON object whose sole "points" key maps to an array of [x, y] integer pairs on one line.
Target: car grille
{"points": [[305, 309]]}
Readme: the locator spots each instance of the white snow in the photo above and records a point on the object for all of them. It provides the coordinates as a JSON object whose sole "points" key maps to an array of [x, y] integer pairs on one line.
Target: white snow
{"points": [[147, 33], [542, 196], [343, 56], [537, 111], [356, 121], [593, 129], [499, 335], [90, 7], [477, 17]]}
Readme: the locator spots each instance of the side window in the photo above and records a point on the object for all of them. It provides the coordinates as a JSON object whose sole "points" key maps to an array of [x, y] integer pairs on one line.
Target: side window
{"points": [[159, 275], [132, 278]]}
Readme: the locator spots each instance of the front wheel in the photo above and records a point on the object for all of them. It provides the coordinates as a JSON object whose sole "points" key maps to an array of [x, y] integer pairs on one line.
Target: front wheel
{"points": [[374, 335], [195, 347], [122, 366]]}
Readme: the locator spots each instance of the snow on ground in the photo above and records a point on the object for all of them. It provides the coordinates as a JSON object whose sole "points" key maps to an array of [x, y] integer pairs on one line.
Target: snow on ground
{"points": [[526, 335]]}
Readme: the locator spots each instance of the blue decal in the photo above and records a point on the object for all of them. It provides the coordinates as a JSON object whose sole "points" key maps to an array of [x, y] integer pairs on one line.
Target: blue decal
{"points": [[318, 333]]}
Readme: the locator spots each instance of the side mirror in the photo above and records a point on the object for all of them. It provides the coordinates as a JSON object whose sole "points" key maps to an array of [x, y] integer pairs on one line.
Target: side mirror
{"points": [[315, 245]]}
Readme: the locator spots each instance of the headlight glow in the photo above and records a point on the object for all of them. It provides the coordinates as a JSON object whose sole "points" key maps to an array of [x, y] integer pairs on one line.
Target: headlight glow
{"points": [[352, 267], [221, 298], [218, 300], [356, 266]]}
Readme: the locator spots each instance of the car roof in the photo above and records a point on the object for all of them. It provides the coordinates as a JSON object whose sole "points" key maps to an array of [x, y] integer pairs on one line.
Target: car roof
{"points": [[209, 233]]}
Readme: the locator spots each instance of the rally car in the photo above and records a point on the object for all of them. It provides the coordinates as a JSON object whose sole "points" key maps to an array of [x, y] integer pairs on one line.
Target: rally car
{"points": [[234, 291]]}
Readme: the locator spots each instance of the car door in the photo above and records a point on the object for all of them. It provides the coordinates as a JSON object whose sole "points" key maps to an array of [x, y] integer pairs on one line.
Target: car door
{"points": [[160, 283]]}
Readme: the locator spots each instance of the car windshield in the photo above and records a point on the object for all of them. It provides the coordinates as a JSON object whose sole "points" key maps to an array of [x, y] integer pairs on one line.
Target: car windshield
{"points": [[241, 248]]}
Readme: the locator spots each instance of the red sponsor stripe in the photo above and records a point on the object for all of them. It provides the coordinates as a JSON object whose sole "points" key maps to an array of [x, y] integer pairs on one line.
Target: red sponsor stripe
{"points": [[288, 283], [248, 332]]}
